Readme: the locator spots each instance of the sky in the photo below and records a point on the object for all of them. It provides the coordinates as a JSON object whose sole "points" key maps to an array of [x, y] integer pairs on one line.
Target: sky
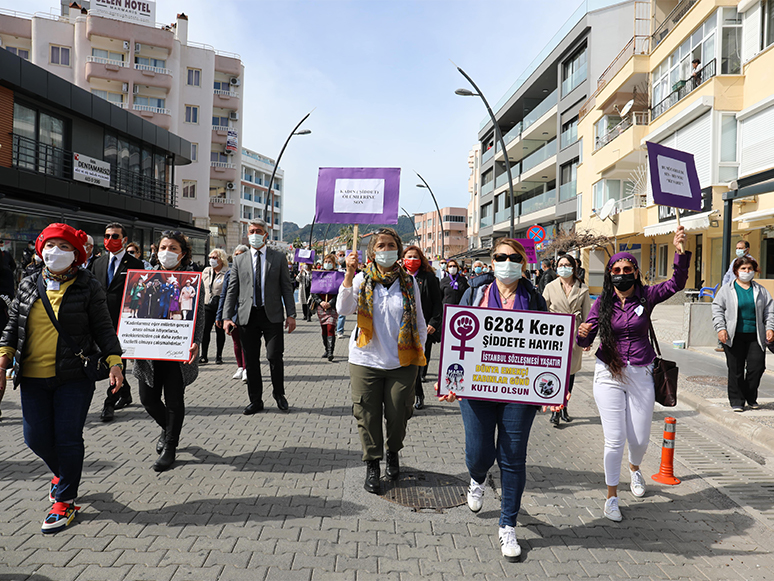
{"points": [[378, 76]]}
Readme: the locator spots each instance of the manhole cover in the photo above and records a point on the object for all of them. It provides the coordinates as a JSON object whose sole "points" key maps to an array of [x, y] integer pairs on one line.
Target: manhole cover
{"points": [[426, 490], [709, 380]]}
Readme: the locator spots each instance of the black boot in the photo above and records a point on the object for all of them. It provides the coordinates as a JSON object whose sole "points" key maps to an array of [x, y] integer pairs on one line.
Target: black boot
{"points": [[325, 344], [565, 416], [554, 419], [331, 347], [393, 466], [373, 475], [166, 459], [160, 443]]}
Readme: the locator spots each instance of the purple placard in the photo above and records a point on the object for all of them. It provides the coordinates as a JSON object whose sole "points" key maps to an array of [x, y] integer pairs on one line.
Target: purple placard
{"points": [[326, 281], [359, 255], [357, 195], [529, 248], [673, 178], [304, 255]]}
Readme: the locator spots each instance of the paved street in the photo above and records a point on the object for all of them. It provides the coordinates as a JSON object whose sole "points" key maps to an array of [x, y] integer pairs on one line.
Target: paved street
{"points": [[280, 496]]}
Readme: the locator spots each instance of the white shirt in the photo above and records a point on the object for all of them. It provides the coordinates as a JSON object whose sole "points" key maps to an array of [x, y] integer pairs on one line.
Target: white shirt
{"points": [[253, 252], [119, 257], [382, 351]]}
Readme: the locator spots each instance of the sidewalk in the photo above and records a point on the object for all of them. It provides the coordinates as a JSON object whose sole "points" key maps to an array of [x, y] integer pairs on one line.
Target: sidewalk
{"points": [[280, 495]]}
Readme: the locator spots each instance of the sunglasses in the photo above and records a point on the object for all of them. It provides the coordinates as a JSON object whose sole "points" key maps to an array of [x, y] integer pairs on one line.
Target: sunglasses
{"points": [[171, 233], [622, 270], [512, 257], [113, 236]]}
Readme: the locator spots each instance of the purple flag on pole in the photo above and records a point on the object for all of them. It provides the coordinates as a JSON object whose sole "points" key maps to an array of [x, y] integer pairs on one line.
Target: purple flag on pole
{"points": [[304, 255], [673, 178], [529, 248], [357, 195], [326, 281]]}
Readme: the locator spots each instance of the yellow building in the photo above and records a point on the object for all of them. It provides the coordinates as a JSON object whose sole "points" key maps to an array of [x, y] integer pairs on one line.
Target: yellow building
{"points": [[700, 80]]}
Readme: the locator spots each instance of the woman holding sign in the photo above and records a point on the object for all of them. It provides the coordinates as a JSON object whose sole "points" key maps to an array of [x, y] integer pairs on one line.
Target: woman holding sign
{"points": [[325, 306], [170, 378], [385, 350], [498, 430], [623, 376]]}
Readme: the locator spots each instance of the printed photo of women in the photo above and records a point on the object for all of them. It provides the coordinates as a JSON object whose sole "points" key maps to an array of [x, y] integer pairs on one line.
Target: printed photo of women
{"points": [[160, 295]]}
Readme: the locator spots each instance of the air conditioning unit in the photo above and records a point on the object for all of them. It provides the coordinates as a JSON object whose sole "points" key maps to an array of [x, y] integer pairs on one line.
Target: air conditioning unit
{"points": [[234, 116], [229, 152], [136, 90], [125, 87], [234, 82], [126, 45], [230, 185], [137, 47]]}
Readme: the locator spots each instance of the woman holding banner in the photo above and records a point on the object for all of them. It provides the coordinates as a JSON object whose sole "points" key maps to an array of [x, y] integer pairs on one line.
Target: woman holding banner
{"points": [[567, 294], [170, 378], [385, 350], [623, 376], [417, 265], [511, 421], [325, 306]]}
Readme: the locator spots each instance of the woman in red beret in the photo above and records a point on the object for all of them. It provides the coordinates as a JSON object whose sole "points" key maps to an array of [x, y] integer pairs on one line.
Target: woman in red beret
{"points": [[55, 391]]}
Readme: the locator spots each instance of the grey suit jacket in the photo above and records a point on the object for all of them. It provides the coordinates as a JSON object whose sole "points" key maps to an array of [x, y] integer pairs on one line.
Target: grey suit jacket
{"points": [[277, 288]]}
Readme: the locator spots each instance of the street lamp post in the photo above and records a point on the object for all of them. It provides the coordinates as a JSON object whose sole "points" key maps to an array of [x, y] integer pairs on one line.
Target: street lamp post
{"points": [[424, 184], [416, 233], [499, 137]]}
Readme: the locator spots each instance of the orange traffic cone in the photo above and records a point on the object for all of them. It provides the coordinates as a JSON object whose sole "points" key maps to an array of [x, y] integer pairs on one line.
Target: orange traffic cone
{"points": [[666, 473]]}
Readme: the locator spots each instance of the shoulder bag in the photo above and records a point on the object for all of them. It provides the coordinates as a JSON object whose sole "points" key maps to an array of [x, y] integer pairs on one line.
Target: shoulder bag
{"points": [[664, 374], [94, 366]]}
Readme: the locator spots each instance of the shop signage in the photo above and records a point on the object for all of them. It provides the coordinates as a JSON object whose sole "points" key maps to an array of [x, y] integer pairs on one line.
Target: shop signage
{"points": [[137, 11], [666, 213], [362, 195], [90, 170]]}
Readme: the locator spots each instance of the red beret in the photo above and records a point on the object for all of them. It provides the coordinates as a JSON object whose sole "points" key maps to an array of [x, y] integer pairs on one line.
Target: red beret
{"points": [[75, 237]]}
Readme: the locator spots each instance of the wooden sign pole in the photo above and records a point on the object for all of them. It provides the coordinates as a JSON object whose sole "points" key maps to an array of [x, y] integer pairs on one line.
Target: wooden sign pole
{"points": [[355, 236], [677, 215]]}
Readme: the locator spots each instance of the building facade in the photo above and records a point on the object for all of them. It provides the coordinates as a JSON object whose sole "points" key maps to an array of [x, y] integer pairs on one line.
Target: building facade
{"points": [[153, 72], [474, 190], [256, 200], [442, 239]]}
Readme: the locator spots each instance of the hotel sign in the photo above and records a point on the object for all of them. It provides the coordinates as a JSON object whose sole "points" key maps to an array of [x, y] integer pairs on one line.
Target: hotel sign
{"points": [[137, 11], [90, 170]]}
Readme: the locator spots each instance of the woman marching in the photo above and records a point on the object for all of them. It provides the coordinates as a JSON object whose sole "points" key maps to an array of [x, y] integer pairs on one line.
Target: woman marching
{"points": [[453, 287], [55, 390], [325, 306], [304, 280], [567, 294], [497, 430], [623, 376], [213, 278], [743, 315], [239, 355], [170, 378], [385, 350]]}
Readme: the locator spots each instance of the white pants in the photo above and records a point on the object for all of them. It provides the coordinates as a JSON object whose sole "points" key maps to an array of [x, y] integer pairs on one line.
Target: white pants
{"points": [[626, 410]]}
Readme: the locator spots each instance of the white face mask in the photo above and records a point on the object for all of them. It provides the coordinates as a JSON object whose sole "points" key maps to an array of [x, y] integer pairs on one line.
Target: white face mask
{"points": [[57, 259], [564, 271], [386, 258], [452, 270], [214, 262], [746, 276], [168, 259], [257, 241], [740, 252], [328, 266], [507, 272]]}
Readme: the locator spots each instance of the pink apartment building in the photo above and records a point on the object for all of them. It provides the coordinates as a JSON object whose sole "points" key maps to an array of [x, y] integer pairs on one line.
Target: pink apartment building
{"points": [[453, 240]]}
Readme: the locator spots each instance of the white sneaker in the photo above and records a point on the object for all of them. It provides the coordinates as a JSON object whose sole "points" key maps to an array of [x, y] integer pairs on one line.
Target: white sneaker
{"points": [[612, 511], [238, 374], [244, 375], [475, 496], [339, 335], [509, 545], [637, 483]]}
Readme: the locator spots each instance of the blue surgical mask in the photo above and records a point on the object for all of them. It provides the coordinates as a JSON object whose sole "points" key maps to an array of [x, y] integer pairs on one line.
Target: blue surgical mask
{"points": [[564, 271], [257, 241], [477, 270]]}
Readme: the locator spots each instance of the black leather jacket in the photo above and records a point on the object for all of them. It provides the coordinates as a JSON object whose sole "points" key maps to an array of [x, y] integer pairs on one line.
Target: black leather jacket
{"points": [[83, 314]]}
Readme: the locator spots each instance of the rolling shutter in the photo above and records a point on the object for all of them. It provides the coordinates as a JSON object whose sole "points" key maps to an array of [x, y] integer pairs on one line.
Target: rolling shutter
{"points": [[756, 135], [751, 32], [695, 138]]}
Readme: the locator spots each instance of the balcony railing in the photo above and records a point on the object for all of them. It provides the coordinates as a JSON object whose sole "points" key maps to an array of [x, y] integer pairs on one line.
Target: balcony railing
{"points": [[567, 191], [105, 61], [629, 202], [539, 156], [220, 128], [157, 110], [488, 154], [540, 202], [30, 154], [157, 70], [223, 164], [671, 21], [542, 108], [225, 92], [485, 221], [684, 88], [513, 133], [487, 187], [574, 79], [634, 118], [221, 201]]}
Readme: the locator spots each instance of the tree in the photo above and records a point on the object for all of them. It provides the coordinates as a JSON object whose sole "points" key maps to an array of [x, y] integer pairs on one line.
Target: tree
{"points": [[346, 232], [297, 242], [576, 240]]}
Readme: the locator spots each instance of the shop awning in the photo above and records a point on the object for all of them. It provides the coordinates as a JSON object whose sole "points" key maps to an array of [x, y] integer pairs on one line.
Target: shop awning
{"points": [[754, 216], [695, 222]]}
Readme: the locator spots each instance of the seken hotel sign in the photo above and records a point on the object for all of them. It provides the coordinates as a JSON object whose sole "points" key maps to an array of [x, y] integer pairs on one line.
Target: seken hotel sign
{"points": [[137, 11]]}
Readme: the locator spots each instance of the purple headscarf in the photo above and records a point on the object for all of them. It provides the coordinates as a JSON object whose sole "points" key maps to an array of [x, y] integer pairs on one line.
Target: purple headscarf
{"points": [[621, 256]]}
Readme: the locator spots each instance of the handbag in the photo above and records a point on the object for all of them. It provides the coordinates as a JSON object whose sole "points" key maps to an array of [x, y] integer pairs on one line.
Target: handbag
{"points": [[94, 366], [664, 374]]}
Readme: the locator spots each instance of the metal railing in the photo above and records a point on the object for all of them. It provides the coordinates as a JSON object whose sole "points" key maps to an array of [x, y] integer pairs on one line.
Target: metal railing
{"points": [[629, 202], [685, 88], [671, 21], [220, 128], [225, 92], [158, 110], [223, 164], [32, 155], [633, 118], [105, 61], [221, 201], [152, 69]]}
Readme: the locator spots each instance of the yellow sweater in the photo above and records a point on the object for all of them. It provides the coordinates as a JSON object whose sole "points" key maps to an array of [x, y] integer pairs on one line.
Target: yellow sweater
{"points": [[40, 346]]}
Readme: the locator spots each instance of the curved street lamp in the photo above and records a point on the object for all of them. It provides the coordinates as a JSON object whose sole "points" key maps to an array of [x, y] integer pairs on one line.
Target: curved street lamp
{"points": [[424, 184], [416, 233], [499, 137]]}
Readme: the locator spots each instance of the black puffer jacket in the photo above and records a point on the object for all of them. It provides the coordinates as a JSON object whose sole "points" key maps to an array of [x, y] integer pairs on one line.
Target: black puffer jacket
{"points": [[83, 314]]}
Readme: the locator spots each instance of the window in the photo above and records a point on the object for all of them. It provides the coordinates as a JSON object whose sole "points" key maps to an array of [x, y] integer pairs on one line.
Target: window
{"points": [[142, 62], [247, 194], [20, 52], [454, 218], [602, 128], [194, 77], [569, 132], [728, 169], [194, 152], [663, 258], [151, 102], [222, 86], [192, 114], [574, 71], [107, 55], [768, 23], [731, 42], [39, 140], [115, 98], [568, 183], [189, 189], [219, 157], [605, 190], [219, 121], [60, 55]]}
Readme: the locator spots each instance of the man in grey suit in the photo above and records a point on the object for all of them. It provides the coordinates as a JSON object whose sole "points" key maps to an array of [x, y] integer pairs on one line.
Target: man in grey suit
{"points": [[258, 286]]}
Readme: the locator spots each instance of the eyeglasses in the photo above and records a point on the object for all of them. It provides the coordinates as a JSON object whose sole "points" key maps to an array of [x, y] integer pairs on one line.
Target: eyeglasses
{"points": [[622, 270], [131, 253], [113, 236], [512, 257]]}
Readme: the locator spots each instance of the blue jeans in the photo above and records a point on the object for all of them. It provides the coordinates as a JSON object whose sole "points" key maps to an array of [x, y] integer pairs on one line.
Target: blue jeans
{"points": [[513, 422], [340, 325], [54, 413]]}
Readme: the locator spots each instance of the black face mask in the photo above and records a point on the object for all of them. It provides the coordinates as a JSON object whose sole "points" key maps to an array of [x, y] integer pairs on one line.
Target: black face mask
{"points": [[623, 282]]}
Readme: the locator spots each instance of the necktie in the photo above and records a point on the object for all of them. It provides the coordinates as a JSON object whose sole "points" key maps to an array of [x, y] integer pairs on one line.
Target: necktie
{"points": [[112, 269], [257, 298]]}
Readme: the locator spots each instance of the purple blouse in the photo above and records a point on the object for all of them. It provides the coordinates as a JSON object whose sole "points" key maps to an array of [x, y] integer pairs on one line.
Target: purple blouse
{"points": [[630, 322]]}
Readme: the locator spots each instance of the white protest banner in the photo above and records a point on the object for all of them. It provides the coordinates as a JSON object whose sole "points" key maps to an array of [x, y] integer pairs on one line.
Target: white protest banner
{"points": [[90, 170], [158, 314], [504, 355]]}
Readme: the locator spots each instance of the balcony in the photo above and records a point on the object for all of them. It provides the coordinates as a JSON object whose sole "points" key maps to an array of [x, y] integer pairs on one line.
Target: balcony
{"points": [[574, 80], [684, 88], [630, 202], [156, 115], [32, 155], [485, 221], [110, 69], [568, 191], [540, 202], [222, 206], [487, 188], [671, 20], [633, 118], [111, 64], [543, 108], [226, 98], [152, 70], [223, 170], [220, 134], [488, 154], [538, 156]]}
